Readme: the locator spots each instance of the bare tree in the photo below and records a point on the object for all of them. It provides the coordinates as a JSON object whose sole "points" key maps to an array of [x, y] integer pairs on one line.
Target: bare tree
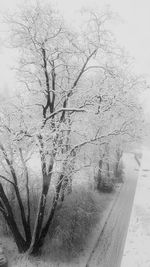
{"points": [[66, 78]]}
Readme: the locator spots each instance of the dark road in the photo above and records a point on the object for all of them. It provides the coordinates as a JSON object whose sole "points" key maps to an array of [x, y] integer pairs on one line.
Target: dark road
{"points": [[109, 247]]}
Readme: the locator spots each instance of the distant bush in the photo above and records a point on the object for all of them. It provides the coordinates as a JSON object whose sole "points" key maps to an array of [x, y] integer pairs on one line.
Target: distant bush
{"points": [[106, 185], [107, 178]]}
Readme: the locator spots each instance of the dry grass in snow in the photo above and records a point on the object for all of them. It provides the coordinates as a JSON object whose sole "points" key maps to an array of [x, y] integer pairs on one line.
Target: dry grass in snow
{"points": [[74, 230]]}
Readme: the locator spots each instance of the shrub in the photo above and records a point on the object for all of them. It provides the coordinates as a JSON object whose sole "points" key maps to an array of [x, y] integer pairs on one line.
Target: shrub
{"points": [[106, 185], [72, 225]]}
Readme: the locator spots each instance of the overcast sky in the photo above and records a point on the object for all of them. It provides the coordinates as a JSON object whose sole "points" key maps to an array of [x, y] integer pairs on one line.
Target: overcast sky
{"points": [[133, 33]]}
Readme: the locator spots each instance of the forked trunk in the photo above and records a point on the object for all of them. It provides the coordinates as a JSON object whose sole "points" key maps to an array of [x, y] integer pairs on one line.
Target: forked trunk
{"points": [[39, 243]]}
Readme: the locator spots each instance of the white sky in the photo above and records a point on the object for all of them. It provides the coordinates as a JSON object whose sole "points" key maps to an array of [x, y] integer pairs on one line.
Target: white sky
{"points": [[133, 33]]}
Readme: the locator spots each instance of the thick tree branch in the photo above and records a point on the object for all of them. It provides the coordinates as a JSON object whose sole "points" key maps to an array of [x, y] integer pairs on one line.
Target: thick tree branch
{"points": [[11, 221], [53, 75], [83, 68], [64, 110], [48, 104], [4, 178], [76, 82], [98, 138], [27, 188]]}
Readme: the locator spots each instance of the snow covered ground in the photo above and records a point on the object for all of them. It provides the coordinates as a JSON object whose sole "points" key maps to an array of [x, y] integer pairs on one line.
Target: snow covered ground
{"points": [[137, 247]]}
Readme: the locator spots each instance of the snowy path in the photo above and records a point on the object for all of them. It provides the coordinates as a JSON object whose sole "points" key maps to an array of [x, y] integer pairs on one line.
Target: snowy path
{"points": [[137, 248], [108, 252]]}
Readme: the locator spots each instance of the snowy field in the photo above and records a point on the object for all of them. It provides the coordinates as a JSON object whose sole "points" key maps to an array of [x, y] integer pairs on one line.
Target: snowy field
{"points": [[136, 252]]}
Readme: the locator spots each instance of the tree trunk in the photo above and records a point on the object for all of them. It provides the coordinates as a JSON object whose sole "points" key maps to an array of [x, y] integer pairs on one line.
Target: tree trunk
{"points": [[9, 217], [40, 217], [19, 240], [108, 170], [37, 245], [99, 178]]}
